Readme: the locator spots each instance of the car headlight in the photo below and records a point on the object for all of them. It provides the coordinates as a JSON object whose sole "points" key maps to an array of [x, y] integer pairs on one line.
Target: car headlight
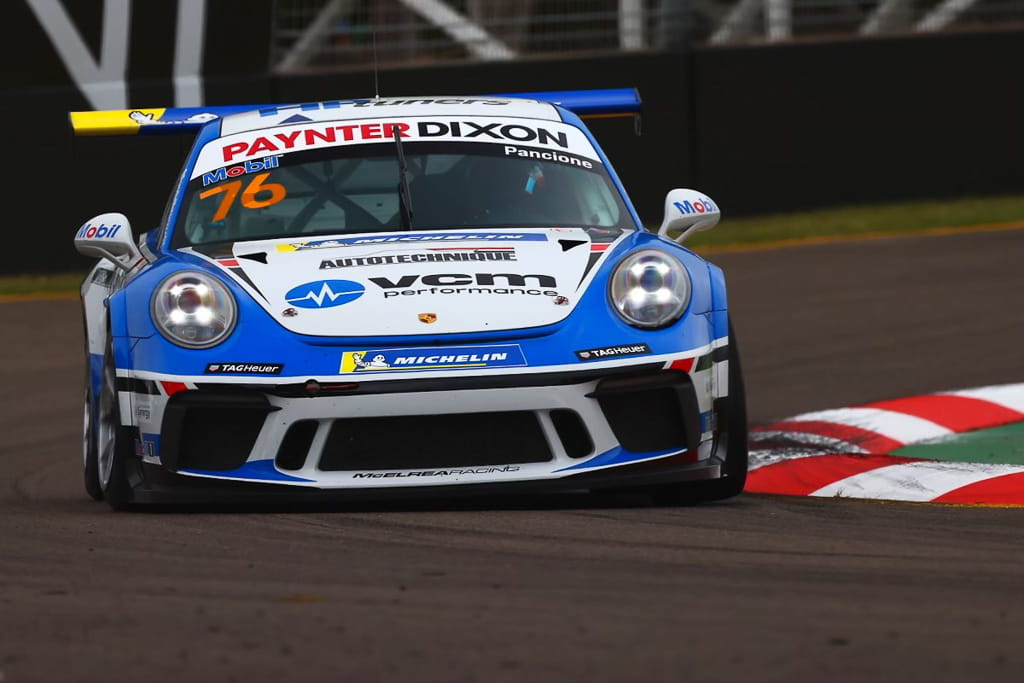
{"points": [[193, 310], [650, 289]]}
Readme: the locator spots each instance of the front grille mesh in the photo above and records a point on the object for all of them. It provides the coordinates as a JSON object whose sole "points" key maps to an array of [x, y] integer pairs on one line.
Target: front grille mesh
{"points": [[418, 441]]}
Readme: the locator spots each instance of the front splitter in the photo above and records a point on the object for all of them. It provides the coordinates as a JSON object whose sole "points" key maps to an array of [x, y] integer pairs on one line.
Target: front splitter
{"points": [[155, 485]]}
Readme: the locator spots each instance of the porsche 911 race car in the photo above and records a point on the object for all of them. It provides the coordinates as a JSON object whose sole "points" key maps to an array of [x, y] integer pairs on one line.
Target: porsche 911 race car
{"points": [[397, 296]]}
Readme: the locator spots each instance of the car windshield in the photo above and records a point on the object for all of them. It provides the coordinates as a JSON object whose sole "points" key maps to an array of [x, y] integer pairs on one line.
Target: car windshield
{"points": [[355, 189]]}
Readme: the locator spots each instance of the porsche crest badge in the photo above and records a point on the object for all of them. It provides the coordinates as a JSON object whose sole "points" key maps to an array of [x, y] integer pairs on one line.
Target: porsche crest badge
{"points": [[427, 317]]}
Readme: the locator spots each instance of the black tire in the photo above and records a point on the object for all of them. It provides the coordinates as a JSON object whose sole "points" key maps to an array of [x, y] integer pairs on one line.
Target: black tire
{"points": [[91, 469], [732, 432], [731, 435], [114, 442]]}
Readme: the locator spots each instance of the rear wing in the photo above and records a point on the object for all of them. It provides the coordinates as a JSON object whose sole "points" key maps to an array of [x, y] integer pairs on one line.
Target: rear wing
{"points": [[175, 120]]}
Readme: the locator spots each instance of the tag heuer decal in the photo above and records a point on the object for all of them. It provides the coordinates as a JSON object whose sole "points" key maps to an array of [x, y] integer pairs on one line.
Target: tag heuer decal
{"points": [[244, 368], [613, 351]]}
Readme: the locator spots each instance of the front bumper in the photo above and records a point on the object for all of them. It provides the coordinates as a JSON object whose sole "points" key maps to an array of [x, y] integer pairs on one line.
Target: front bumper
{"points": [[155, 485], [585, 429]]}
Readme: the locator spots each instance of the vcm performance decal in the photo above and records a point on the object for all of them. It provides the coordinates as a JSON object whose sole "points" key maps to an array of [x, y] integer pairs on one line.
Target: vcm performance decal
{"points": [[324, 293], [451, 283], [446, 358]]}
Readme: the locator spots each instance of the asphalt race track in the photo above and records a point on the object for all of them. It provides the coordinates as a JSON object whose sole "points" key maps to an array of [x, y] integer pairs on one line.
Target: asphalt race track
{"points": [[759, 588]]}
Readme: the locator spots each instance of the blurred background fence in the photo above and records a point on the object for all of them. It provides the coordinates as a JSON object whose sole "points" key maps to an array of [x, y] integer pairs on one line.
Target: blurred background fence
{"points": [[841, 103], [333, 34]]}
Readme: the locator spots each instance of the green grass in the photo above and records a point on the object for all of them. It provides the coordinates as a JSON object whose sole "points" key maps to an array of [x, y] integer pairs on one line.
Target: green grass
{"points": [[56, 283], [852, 221]]}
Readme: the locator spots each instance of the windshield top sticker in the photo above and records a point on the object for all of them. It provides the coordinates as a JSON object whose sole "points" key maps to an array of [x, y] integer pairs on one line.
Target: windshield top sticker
{"points": [[447, 358], [421, 237], [337, 104], [425, 106], [246, 146]]}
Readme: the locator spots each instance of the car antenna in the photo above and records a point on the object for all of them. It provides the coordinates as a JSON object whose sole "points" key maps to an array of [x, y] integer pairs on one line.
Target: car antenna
{"points": [[376, 79]]}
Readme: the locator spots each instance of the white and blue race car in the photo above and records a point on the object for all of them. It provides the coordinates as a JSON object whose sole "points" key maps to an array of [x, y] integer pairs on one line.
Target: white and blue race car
{"points": [[400, 297]]}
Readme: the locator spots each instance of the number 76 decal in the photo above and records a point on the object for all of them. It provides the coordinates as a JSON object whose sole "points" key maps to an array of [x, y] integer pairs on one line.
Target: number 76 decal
{"points": [[249, 200]]}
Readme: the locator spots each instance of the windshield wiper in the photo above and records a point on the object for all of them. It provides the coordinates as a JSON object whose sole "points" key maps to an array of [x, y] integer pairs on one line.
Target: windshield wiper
{"points": [[404, 197]]}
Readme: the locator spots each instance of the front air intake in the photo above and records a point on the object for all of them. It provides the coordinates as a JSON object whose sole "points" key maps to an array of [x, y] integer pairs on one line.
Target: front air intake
{"points": [[205, 430], [434, 441], [656, 412]]}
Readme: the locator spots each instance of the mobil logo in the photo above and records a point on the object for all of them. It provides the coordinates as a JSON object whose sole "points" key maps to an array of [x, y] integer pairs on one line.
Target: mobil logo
{"points": [[221, 174], [324, 293], [90, 230], [698, 205]]}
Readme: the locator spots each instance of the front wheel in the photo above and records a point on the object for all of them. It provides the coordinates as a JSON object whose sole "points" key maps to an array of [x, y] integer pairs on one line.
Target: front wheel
{"points": [[732, 432], [730, 437], [113, 442], [91, 469]]}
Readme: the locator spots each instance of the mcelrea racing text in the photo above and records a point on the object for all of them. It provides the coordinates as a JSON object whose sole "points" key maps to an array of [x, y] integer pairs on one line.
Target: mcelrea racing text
{"points": [[436, 473]]}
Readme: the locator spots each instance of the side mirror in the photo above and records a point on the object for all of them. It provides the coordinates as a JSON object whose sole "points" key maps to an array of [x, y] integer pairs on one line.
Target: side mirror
{"points": [[108, 236], [687, 212]]}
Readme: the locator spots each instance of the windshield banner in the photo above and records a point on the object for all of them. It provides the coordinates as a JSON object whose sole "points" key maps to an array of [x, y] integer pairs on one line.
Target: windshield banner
{"points": [[235, 150]]}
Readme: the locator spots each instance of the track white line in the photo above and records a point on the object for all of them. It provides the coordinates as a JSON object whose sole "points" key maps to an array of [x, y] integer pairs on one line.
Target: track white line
{"points": [[897, 426], [1007, 395], [914, 481]]}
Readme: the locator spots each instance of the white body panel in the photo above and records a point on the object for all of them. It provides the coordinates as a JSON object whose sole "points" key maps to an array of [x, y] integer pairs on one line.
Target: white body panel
{"points": [[381, 285]]}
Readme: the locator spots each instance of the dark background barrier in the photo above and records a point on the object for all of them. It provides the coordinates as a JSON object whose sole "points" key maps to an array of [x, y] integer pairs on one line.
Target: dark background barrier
{"points": [[760, 129], [805, 125]]}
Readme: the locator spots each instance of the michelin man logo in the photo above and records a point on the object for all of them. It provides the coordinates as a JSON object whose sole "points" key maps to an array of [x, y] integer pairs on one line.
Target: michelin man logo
{"points": [[378, 361], [146, 118]]}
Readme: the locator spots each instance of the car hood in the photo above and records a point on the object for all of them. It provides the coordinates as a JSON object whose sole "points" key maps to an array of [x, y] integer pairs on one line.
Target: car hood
{"points": [[409, 283]]}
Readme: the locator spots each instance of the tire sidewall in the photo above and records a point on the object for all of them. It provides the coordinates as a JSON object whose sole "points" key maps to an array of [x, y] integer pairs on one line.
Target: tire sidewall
{"points": [[117, 490], [731, 435], [90, 462], [736, 458]]}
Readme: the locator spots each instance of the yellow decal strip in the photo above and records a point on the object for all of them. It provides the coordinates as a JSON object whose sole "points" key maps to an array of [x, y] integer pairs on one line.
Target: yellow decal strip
{"points": [[114, 121]]}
